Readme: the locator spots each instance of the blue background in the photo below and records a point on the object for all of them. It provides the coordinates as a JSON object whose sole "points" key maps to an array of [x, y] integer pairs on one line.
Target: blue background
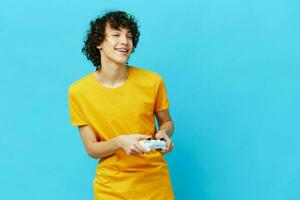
{"points": [[232, 74]]}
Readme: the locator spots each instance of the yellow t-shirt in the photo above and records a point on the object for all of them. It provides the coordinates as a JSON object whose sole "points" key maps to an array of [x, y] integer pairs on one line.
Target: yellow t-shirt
{"points": [[127, 109]]}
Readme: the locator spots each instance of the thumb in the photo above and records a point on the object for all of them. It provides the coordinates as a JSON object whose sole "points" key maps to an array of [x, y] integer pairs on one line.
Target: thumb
{"points": [[158, 136]]}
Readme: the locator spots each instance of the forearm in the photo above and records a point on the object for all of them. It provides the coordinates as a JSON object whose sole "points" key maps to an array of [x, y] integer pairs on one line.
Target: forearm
{"points": [[103, 149], [168, 127]]}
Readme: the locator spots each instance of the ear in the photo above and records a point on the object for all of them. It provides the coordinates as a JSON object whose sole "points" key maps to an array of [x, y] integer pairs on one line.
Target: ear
{"points": [[99, 47]]}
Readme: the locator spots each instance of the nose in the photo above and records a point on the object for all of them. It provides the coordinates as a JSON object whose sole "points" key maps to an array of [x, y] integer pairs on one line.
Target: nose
{"points": [[124, 39]]}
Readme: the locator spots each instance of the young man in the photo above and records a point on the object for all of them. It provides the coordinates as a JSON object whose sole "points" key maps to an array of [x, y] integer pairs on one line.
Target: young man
{"points": [[115, 107]]}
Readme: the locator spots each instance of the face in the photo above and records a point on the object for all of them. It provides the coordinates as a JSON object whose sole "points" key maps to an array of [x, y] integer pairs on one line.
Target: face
{"points": [[116, 46]]}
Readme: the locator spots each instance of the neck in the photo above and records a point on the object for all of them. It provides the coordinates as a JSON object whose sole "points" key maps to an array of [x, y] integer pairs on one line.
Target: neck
{"points": [[112, 73]]}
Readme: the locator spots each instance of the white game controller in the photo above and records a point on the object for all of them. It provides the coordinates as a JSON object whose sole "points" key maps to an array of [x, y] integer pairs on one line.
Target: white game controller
{"points": [[150, 144]]}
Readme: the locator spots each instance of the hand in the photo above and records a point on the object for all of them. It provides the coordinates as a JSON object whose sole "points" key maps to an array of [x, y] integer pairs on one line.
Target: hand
{"points": [[130, 143], [170, 145]]}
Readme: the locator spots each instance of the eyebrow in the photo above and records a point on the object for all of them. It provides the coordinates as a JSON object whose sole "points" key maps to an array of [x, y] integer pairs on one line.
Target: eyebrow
{"points": [[118, 29]]}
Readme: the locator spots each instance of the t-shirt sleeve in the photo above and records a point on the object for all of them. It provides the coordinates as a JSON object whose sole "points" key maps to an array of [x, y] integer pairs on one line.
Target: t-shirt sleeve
{"points": [[161, 102], [76, 115]]}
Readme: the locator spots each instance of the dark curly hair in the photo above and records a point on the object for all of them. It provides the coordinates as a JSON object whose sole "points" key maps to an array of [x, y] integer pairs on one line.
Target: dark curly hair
{"points": [[96, 33]]}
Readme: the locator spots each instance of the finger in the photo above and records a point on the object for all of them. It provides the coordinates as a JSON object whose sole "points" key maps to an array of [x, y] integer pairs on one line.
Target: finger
{"points": [[168, 149], [163, 151], [133, 152], [140, 148], [169, 143], [128, 152], [132, 149], [158, 136], [137, 148]]}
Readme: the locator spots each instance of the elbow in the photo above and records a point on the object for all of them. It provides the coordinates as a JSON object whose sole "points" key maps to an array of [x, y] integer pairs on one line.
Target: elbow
{"points": [[92, 153], [93, 156]]}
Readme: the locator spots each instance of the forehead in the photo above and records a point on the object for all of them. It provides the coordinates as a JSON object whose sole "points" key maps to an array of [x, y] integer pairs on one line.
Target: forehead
{"points": [[109, 28]]}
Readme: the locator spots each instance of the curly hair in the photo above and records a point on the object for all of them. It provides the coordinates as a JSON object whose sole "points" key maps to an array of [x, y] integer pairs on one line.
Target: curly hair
{"points": [[96, 33]]}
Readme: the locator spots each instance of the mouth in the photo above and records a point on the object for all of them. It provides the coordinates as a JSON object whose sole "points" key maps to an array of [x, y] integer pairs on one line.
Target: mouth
{"points": [[122, 50]]}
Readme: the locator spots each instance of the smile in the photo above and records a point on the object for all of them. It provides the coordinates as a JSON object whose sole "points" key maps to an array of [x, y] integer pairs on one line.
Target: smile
{"points": [[122, 50]]}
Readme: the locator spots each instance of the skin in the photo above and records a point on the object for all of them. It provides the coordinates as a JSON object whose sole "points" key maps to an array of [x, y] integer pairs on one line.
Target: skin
{"points": [[115, 51]]}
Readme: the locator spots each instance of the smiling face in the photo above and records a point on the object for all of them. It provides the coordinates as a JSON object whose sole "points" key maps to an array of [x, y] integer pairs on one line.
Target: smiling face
{"points": [[116, 46]]}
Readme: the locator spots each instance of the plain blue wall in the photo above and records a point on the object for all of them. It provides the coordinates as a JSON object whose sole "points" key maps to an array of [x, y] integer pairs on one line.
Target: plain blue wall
{"points": [[232, 74]]}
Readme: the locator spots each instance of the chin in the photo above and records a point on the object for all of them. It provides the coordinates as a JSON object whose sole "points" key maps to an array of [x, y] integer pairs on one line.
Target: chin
{"points": [[121, 61]]}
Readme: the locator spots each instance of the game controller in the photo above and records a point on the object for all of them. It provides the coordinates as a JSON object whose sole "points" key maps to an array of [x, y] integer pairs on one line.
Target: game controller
{"points": [[150, 144]]}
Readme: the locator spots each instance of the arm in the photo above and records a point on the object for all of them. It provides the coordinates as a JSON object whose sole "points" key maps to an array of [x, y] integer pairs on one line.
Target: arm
{"points": [[165, 122], [166, 128], [96, 149]]}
